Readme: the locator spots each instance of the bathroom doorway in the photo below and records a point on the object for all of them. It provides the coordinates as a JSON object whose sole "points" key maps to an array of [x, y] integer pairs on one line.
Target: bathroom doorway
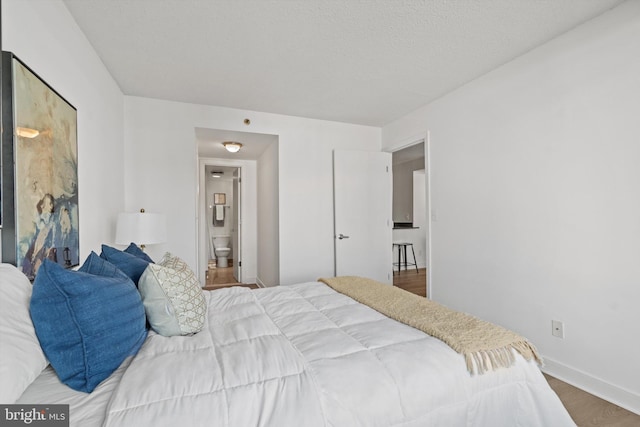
{"points": [[223, 230], [254, 245]]}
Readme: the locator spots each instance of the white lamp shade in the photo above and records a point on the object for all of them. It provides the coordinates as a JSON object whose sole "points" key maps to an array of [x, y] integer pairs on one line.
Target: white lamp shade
{"points": [[142, 228]]}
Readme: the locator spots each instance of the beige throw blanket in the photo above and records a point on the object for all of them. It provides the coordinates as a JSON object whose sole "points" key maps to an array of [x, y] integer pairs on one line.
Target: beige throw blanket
{"points": [[485, 346]]}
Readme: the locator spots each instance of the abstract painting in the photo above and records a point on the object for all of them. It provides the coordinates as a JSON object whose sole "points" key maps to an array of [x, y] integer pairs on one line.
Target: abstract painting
{"points": [[40, 187]]}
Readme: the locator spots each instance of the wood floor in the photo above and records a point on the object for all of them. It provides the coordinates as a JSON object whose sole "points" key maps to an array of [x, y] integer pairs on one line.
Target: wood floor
{"points": [[586, 409], [222, 278], [408, 280], [411, 281]]}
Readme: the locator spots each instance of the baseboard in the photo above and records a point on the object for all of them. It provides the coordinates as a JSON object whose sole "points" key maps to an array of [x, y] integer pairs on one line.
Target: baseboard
{"points": [[609, 392], [261, 284], [252, 280]]}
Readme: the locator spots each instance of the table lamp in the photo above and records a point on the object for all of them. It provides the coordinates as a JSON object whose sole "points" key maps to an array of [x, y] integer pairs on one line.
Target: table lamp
{"points": [[142, 228]]}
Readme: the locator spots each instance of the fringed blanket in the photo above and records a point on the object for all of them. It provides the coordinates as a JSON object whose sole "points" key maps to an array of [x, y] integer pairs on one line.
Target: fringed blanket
{"points": [[485, 346]]}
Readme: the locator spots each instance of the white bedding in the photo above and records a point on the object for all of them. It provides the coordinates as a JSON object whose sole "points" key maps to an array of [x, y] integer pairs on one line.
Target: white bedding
{"points": [[85, 410], [306, 355]]}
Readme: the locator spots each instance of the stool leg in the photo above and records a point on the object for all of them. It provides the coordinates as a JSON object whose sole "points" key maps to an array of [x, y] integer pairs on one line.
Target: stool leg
{"points": [[414, 259], [404, 249]]}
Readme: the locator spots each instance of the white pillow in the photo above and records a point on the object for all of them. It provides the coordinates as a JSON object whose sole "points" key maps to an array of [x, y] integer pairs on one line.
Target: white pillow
{"points": [[172, 297], [21, 357]]}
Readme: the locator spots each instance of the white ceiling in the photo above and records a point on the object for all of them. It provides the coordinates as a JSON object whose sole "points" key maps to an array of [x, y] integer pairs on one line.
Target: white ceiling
{"points": [[226, 173], [367, 61]]}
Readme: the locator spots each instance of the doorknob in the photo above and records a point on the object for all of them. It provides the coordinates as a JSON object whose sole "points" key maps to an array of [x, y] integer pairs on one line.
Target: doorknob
{"points": [[342, 236]]}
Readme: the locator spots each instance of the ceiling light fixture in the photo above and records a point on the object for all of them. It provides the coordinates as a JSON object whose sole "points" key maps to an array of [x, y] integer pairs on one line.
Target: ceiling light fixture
{"points": [[27, 132], [217, 174], [232, 147]]}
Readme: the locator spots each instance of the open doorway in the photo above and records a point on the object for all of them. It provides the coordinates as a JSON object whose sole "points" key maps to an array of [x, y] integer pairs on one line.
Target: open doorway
{"points": [[410, 233], [224, 227], [249, 207]]}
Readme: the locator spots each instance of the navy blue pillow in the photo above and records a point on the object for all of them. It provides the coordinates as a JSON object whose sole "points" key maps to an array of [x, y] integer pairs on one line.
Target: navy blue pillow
{"points": [[130, 265], [100, 267], [133, 249], [87, 324]]}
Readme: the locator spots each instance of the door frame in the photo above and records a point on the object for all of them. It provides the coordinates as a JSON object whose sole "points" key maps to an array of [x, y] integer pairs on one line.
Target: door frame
{"points": [[405, 143], [201, 216], [236, 237]]}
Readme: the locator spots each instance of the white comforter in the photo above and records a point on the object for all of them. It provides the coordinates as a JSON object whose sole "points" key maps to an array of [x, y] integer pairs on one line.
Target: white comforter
{"points": [[305, 355]]}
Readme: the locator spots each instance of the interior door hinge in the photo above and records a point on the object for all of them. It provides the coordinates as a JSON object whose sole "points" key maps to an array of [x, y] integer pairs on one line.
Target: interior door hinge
{"points": [[387, 169], [239, 263]]}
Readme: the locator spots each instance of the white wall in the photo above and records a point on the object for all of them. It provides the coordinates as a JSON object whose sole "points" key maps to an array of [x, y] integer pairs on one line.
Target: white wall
{"points": [[403, 189], [44, 35], [536, 187], [420, 216], [161, 174], [268, 225]]}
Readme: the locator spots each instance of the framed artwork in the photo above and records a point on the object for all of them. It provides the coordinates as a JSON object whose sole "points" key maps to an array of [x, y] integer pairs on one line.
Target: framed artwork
{"points": [[219, 198], [39, 196]]}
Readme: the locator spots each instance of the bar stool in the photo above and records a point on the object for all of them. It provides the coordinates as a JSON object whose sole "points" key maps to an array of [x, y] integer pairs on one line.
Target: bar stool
{"points": [[402, 254]]}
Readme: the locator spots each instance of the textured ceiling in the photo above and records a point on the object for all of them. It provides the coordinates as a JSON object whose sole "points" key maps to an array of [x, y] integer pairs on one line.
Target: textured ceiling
{"points": [[358, 61]]}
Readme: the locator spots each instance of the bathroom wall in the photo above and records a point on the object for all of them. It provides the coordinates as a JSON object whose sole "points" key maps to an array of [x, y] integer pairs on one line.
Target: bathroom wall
{"points": [[219, 185]]}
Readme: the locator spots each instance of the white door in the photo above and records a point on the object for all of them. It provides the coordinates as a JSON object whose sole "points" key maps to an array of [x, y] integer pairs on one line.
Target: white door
{"points": [[363, 203], [236, 232]]}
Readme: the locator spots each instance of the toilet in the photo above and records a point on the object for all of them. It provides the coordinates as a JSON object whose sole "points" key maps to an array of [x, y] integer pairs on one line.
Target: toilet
{"points": [[222, 250]]}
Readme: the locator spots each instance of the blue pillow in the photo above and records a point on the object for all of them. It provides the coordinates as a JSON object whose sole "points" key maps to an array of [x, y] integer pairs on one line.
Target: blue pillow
{"points": [[87, 324], [100, 267], [133, 249], [130, 265]]}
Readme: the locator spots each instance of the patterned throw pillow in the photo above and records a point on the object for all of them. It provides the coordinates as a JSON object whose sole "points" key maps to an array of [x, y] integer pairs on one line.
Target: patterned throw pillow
{"points": [[172, 297]]}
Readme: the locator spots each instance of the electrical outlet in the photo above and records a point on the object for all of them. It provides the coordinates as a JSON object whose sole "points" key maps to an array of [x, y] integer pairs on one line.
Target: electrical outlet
{"points": [[557, 328]]}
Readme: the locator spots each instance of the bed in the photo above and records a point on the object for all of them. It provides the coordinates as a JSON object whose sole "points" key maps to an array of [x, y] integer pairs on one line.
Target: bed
{"points": [[286, 356]]}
